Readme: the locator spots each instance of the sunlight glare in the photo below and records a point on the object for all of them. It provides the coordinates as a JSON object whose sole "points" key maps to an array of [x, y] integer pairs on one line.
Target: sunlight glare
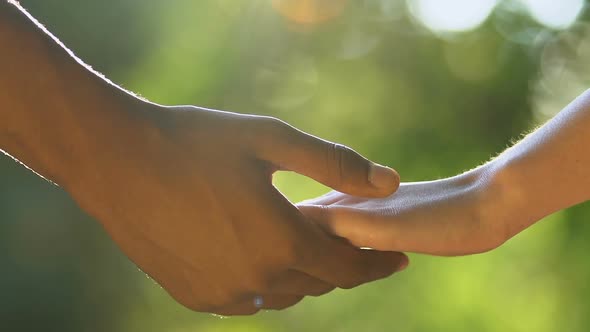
{"points": [[555, 14], [451, 15]]}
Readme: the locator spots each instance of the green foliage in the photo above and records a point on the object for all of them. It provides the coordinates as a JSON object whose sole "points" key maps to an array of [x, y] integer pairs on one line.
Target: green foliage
{"points": [[428, 105]]}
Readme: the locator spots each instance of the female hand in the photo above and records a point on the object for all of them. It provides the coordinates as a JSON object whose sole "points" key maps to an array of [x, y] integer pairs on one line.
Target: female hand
{"points": [[477, 211], [443, 217]]}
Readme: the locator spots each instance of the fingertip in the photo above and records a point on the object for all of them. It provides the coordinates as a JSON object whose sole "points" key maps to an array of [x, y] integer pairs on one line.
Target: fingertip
{"points": [[385, 263], [404, 262], [385, 179], [397, 180]]}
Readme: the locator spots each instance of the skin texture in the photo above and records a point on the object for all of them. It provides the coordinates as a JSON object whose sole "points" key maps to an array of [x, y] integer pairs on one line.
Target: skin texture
{"points": [[477, 211], [184, 191]]}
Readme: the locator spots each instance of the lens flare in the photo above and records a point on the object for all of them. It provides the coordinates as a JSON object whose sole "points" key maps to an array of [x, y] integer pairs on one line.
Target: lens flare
{"points": [[309, 12]]}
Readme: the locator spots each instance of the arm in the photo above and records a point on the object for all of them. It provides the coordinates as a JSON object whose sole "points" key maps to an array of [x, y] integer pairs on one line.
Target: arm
{"points": [[52, 106], [547, 171], [185, 192]]}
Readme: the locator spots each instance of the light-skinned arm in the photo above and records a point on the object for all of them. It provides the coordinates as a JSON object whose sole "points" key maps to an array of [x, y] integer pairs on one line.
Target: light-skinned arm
{"points": [[547, 171]]}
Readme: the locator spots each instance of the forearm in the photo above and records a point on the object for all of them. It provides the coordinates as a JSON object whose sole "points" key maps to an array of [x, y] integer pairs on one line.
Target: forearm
{"points": [[548, 170], [55, 113]]}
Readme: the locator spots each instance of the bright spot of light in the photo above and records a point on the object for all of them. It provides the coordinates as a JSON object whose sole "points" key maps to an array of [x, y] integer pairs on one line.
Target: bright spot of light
{"points": [[555, 14], [451, 15], [309, 11]]}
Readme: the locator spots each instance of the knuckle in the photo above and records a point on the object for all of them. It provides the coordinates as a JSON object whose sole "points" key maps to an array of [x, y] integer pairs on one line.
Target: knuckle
{"points": [[190, 302], [183, 292], [278, 253], [254, 282], [244, 311], [272, 126], [321, 291], [348, 168], [268, 132], [286, 250], [288, 302], [334, 160], [236, 311], [258, 128], [349, 284], [217, 300], [289, 256]]}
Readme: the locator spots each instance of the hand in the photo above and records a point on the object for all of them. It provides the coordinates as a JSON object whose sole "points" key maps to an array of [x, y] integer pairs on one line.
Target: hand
{"points": [[455, 216], [185, 192], [187, 195], [477, 211]]}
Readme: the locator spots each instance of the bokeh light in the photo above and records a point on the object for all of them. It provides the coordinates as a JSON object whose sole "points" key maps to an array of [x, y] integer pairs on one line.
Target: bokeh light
{"points": [[555, 14], [430, 105], [287, 83], [451, 15], [309, 11], [564, 73]]}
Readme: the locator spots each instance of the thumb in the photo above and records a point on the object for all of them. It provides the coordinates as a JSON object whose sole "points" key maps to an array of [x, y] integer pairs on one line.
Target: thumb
{"points": [[334, 165]]}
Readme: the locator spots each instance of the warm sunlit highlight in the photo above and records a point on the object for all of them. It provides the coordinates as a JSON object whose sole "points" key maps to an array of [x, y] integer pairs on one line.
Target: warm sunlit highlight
{"points": [[555, 14], [451, 15], [309, 11]]}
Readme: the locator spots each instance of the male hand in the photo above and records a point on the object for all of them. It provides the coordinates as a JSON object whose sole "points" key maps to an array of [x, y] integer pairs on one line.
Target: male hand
{"points": [[187, 195], [185, 192]]}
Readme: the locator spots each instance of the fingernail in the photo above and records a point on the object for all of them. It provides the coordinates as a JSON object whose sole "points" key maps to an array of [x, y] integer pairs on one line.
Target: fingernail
{"points": [[403, 264], [382, 177]]}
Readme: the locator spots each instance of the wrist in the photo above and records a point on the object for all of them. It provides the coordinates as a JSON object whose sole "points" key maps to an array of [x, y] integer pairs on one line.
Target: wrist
{"points": [[58, 116], [504, 203], [70, 132]]}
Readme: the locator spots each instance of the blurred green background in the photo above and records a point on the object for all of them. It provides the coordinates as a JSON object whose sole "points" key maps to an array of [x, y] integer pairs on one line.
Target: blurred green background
{"points": [[429, 87]]}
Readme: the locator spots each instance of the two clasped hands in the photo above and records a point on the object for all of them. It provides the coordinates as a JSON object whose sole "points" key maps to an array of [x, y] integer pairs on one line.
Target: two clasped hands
{"points": [[196, 209], [186, 192]]}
